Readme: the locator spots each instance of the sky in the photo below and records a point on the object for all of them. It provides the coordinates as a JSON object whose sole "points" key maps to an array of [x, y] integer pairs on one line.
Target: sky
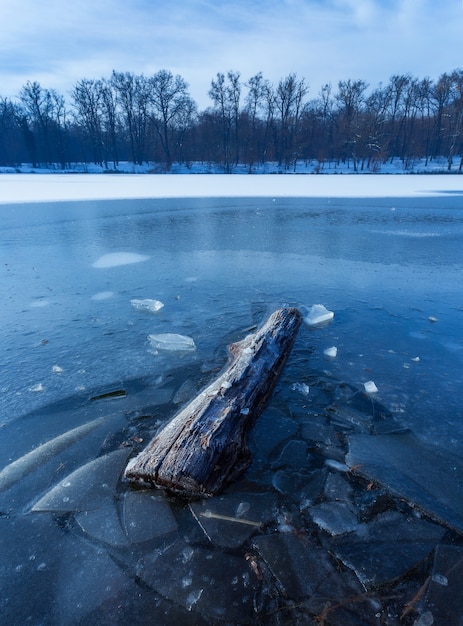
{"points": [[58, 43]]}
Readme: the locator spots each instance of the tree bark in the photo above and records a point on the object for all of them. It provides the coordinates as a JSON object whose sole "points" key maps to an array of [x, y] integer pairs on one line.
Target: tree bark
{"points": [[204, 446]]}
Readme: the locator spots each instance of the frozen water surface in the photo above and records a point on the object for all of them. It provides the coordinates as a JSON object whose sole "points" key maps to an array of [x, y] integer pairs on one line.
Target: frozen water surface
{"points": [[76, 349]]}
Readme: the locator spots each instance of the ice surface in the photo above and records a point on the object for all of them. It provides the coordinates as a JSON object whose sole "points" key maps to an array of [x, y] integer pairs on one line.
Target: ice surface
{"points": [[300, 567], [422, 474], [336, 518], [369, 552], [88, 488], [209, 582], [103, 525], [318, 315], [172, 342], [230, 520], [114, 259], [27, 463], [444, 598], [147, 305], [102, 295], [146, 515]]}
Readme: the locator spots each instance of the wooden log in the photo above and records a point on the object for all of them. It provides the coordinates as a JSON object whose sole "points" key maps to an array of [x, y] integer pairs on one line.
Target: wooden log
{"points": [[204, 446]]}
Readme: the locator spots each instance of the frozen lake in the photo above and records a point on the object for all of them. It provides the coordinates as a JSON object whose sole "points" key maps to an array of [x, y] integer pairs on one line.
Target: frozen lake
{"points": [[390, 268]]}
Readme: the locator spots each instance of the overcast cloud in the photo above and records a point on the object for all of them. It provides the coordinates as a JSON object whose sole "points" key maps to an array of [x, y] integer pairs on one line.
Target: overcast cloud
{"points": [[324, 41]]}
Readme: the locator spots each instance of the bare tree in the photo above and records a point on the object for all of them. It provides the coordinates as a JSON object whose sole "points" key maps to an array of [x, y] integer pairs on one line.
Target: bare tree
{"points": [[133, 96], [288, 99], [225, 93], [350, 99], [173, 110], [44, 117]]}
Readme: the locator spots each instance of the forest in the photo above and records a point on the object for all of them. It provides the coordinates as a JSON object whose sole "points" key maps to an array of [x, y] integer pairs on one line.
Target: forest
{"points": [[154, 119]]}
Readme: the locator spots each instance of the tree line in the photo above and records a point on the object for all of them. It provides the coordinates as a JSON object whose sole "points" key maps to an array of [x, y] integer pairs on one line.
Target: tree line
{"points": [[137, 118]]}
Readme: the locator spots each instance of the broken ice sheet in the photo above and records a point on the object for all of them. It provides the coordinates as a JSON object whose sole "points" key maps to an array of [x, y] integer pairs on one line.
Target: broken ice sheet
{"points": [[444, 598], [385, 549], [209, 582], [300, 567], [318, 315], [427, 477], [80, 590], [90, 487], [336, 518], [147, 305], [230, 520], [103, 525], [172, 342], [146, 515]]}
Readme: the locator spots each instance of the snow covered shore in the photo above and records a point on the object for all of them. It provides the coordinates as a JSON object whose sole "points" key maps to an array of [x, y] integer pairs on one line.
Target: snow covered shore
{"points": [[22, 188]]}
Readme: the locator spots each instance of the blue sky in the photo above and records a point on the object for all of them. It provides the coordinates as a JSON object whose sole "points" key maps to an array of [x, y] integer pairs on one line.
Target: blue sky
{"points": [[57, 42]]}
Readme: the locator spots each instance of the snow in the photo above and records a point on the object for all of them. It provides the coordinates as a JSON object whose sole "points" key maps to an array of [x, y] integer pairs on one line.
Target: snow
{"points": [[25, 188]]}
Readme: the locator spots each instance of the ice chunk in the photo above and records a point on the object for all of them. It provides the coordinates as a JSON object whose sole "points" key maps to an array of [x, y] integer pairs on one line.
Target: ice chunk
{"points": [[368, 552], [301, 387], [147, 305], [103, 525], [119, 258], [88, 488], [36, 388], [318, 315], [56, 369], [211, 583], [370, 387], [336, 518], [172, 341], [427, 477], [331, 352], [147, 515]]}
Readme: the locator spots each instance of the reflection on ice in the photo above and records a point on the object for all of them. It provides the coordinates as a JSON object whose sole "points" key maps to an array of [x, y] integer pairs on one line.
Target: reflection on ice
{"points": [[102, 295], [113, 259]]}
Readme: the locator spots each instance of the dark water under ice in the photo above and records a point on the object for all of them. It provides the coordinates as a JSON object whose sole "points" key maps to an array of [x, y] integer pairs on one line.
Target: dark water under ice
{"points": [[390, 269]]}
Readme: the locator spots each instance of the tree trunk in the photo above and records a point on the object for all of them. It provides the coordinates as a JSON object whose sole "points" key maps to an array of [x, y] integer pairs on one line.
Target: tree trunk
{"points": [[204, 446]]}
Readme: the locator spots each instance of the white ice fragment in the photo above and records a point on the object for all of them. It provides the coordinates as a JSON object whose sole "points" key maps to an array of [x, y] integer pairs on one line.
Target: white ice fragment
{"points": [[56, 369], [119, 258], [102, 295], [36, 388], [318, 315], [301, 388], [331, 352], [432, 319], [370, 387], [440, 579], [416, 359], [336, 465], [172, 342], [37, 304], [147, 305]]}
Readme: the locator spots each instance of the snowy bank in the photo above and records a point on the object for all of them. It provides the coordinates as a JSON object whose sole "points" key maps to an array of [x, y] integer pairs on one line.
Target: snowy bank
{"points": [[21, 188]]}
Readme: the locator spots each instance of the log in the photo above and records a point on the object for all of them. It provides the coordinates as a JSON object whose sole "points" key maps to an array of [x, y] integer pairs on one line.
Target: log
{"points": [[203, 447]]}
